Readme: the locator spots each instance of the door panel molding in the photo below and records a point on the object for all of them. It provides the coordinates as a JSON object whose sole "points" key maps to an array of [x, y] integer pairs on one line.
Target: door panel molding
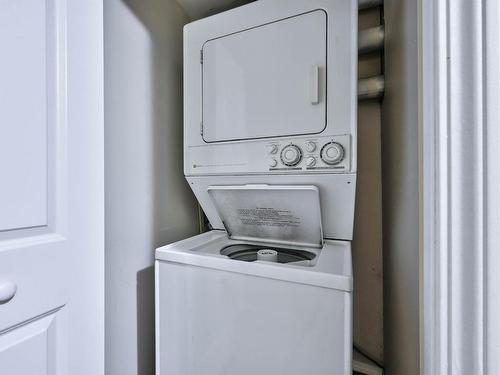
{"points": [[46, 212], [42, 339]]}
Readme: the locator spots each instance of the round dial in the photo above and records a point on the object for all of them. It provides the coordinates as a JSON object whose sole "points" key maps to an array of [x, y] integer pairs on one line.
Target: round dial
{"points": [[311, 161], [310, 146], [291, 155], [332, 153]]}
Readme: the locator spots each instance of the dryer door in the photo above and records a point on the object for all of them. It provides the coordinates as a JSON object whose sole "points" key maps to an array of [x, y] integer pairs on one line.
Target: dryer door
{"points": [[268, 81]]}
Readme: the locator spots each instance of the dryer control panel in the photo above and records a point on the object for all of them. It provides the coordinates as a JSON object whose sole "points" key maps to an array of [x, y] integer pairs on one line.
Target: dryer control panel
{"points": [[310, 154], [327, 154]]}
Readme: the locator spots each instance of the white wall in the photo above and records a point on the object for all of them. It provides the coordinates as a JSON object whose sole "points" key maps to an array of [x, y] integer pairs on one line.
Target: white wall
{"points": [[148, 203], [400, 171]]}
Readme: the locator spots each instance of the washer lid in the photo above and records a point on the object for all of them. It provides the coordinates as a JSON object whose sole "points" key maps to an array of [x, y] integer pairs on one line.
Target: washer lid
{"points": [[277, 214]]}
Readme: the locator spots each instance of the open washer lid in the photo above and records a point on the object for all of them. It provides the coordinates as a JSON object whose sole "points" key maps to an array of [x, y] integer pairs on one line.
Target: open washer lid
{"points": [[272, 214]]}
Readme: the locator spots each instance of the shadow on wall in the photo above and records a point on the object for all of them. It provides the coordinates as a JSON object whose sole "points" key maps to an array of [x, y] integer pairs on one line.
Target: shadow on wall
{"points": [[145, 321], [174, 206], [148, 201], [164, 20]]}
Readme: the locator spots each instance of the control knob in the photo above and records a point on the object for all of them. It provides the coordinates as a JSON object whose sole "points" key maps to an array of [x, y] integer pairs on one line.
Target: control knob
{"points": [[310, 146], [332, 153], [273, 149], [311, 161], [291, 155]]}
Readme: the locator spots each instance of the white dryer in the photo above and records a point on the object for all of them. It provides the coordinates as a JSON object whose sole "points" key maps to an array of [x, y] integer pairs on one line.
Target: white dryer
{"points": [[270, 153]]}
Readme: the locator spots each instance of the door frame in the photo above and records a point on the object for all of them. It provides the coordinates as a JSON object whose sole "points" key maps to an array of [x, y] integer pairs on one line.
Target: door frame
{"points": [[85, 134], [460, 174]]}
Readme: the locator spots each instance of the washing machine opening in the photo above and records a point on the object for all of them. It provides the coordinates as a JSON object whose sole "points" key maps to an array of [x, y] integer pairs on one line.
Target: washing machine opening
{"points": [[250, 253]]}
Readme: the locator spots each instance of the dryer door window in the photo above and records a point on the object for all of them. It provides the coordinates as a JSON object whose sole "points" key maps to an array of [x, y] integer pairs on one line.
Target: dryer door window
{"points": [[268, 81]]}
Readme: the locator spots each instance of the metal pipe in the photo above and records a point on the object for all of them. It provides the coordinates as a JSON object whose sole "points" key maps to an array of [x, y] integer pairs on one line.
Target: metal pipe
{"points": [[365, 4], [371, 40], [371, 88]]}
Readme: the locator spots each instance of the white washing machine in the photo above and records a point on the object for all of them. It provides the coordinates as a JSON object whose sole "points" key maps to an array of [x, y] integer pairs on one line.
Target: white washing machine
{"points": [[241, 304], [270, 153]]}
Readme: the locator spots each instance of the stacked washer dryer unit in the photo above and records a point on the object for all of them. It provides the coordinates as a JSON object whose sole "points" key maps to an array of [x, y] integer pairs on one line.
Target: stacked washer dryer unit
{"points": [[270, 153]]}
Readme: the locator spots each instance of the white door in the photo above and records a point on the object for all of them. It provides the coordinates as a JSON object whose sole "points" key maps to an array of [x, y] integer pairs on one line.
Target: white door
{"points": [[266, 81], [51, 187]]}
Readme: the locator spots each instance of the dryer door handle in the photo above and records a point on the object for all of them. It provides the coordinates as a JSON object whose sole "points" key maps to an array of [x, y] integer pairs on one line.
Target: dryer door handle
{"points": [[314, 84]]}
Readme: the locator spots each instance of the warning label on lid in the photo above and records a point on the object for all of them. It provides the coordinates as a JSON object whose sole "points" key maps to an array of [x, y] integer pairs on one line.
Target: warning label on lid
{"points": [[269, 217]]}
